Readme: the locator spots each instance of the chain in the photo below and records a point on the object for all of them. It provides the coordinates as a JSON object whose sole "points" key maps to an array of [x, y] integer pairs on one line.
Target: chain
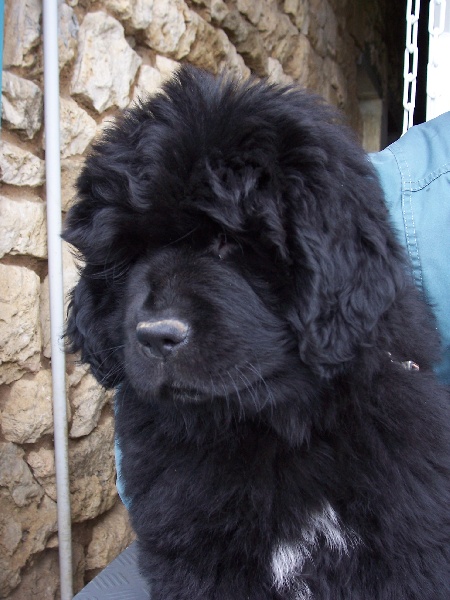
{"points": [[436, 27], [410, 63]]}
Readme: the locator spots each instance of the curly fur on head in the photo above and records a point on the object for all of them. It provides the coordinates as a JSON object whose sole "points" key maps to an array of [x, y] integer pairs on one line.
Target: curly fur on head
{"points": [[243, 290]]}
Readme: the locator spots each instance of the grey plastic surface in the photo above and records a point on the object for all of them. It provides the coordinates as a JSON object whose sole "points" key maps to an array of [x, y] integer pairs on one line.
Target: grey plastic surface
{"points": [[120, 580]]}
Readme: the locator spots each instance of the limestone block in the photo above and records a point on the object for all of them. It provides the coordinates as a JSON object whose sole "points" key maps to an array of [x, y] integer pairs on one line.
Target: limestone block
{"points": [[27, 516], [20, 336], [123, 9], [282, 41], [247, 40], [39, 580], [70, 170], [298, 65], [22, 227], [270, 16], [10, 538], [234, 64], [70, 271], [106, 64], [317, 77], [335, 89], [299, 12], [151, 78], [172, 29], [252, 9], [323, 27], [93, 480], [22, 104], [318, 8], [67, 34], [330, 31], [92, 471], [276, 73], [148, 83], [87, 399], [78, 566], [137, 12], [16, 477], [70, 278], [20, 167], [42, 463], [9, 576], [77, 373], [236, 26], [206, 36], [166, 66], [77, 128], [27, 413], [317, 38], [111, 534], [36, 522], [22, 32], [10, 535], [219, 11]]}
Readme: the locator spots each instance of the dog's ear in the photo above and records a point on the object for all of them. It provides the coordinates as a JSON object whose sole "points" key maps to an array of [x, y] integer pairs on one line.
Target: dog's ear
{"points": [[100, 228], [348, 267], [93, 329]]}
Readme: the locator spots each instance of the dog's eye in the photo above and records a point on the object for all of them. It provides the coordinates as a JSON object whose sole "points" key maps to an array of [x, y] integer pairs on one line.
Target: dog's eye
{"points": [[223, 245]]}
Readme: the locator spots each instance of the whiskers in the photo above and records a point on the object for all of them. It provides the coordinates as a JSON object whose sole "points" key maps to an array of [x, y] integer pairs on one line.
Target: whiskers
{"points": [[244, 386], [109, 376]]}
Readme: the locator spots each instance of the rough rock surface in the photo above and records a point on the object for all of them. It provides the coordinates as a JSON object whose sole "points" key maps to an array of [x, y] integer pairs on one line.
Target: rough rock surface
{"points": [[110, 536], [22, 227], [20, 167], [20, 335], [136, 13], [27, 516], [171, 29], [106, 64], [92, 472], [22, 104], [68, 34], [77, 128], [27, 413], [22, 32], [87, 401]]}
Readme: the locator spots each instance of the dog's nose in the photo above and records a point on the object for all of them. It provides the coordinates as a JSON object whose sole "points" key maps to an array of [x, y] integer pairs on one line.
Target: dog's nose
{"points": [[161, 338]]}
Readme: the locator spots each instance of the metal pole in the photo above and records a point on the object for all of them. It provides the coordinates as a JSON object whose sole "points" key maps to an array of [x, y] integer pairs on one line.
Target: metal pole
{"points": [[53, 195]]}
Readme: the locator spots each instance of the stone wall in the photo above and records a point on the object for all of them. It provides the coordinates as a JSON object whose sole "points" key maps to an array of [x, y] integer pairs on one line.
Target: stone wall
{"points": [[112, 51]]}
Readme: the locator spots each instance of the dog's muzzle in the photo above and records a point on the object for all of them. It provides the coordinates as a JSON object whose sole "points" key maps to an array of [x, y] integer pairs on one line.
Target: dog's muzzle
{"points": [[162, 338]]}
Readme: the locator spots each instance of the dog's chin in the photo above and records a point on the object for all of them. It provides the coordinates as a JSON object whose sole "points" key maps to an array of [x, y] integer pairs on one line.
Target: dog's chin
{"points": [[173, 382], [154, 380]]}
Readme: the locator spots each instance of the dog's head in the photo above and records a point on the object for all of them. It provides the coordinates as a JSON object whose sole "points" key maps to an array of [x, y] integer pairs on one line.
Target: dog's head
{"points": [[229, 232]]}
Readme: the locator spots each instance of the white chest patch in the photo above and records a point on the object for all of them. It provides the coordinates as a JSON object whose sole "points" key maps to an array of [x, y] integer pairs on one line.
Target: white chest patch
{"points": [[287, 561], [288, 558]]}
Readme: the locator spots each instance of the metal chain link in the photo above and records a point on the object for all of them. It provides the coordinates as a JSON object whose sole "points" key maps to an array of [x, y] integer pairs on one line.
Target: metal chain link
{"points": [[436, 27], [410, 63]]}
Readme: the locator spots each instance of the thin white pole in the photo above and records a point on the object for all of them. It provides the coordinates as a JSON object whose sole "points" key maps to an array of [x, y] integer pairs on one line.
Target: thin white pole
{"points": [[53, 195]]}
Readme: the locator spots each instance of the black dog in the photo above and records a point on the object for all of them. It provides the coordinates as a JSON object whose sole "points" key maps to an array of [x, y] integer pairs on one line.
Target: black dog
{"points": [[243, 290]]}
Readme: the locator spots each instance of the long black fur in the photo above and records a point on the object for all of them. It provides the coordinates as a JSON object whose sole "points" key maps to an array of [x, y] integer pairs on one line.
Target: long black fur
{"points": [[282, 452]]}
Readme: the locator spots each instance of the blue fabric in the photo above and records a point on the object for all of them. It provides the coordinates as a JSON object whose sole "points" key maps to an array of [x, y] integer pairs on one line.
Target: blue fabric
{"points": [[118, 457], [119, 482], [415, 174]]}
